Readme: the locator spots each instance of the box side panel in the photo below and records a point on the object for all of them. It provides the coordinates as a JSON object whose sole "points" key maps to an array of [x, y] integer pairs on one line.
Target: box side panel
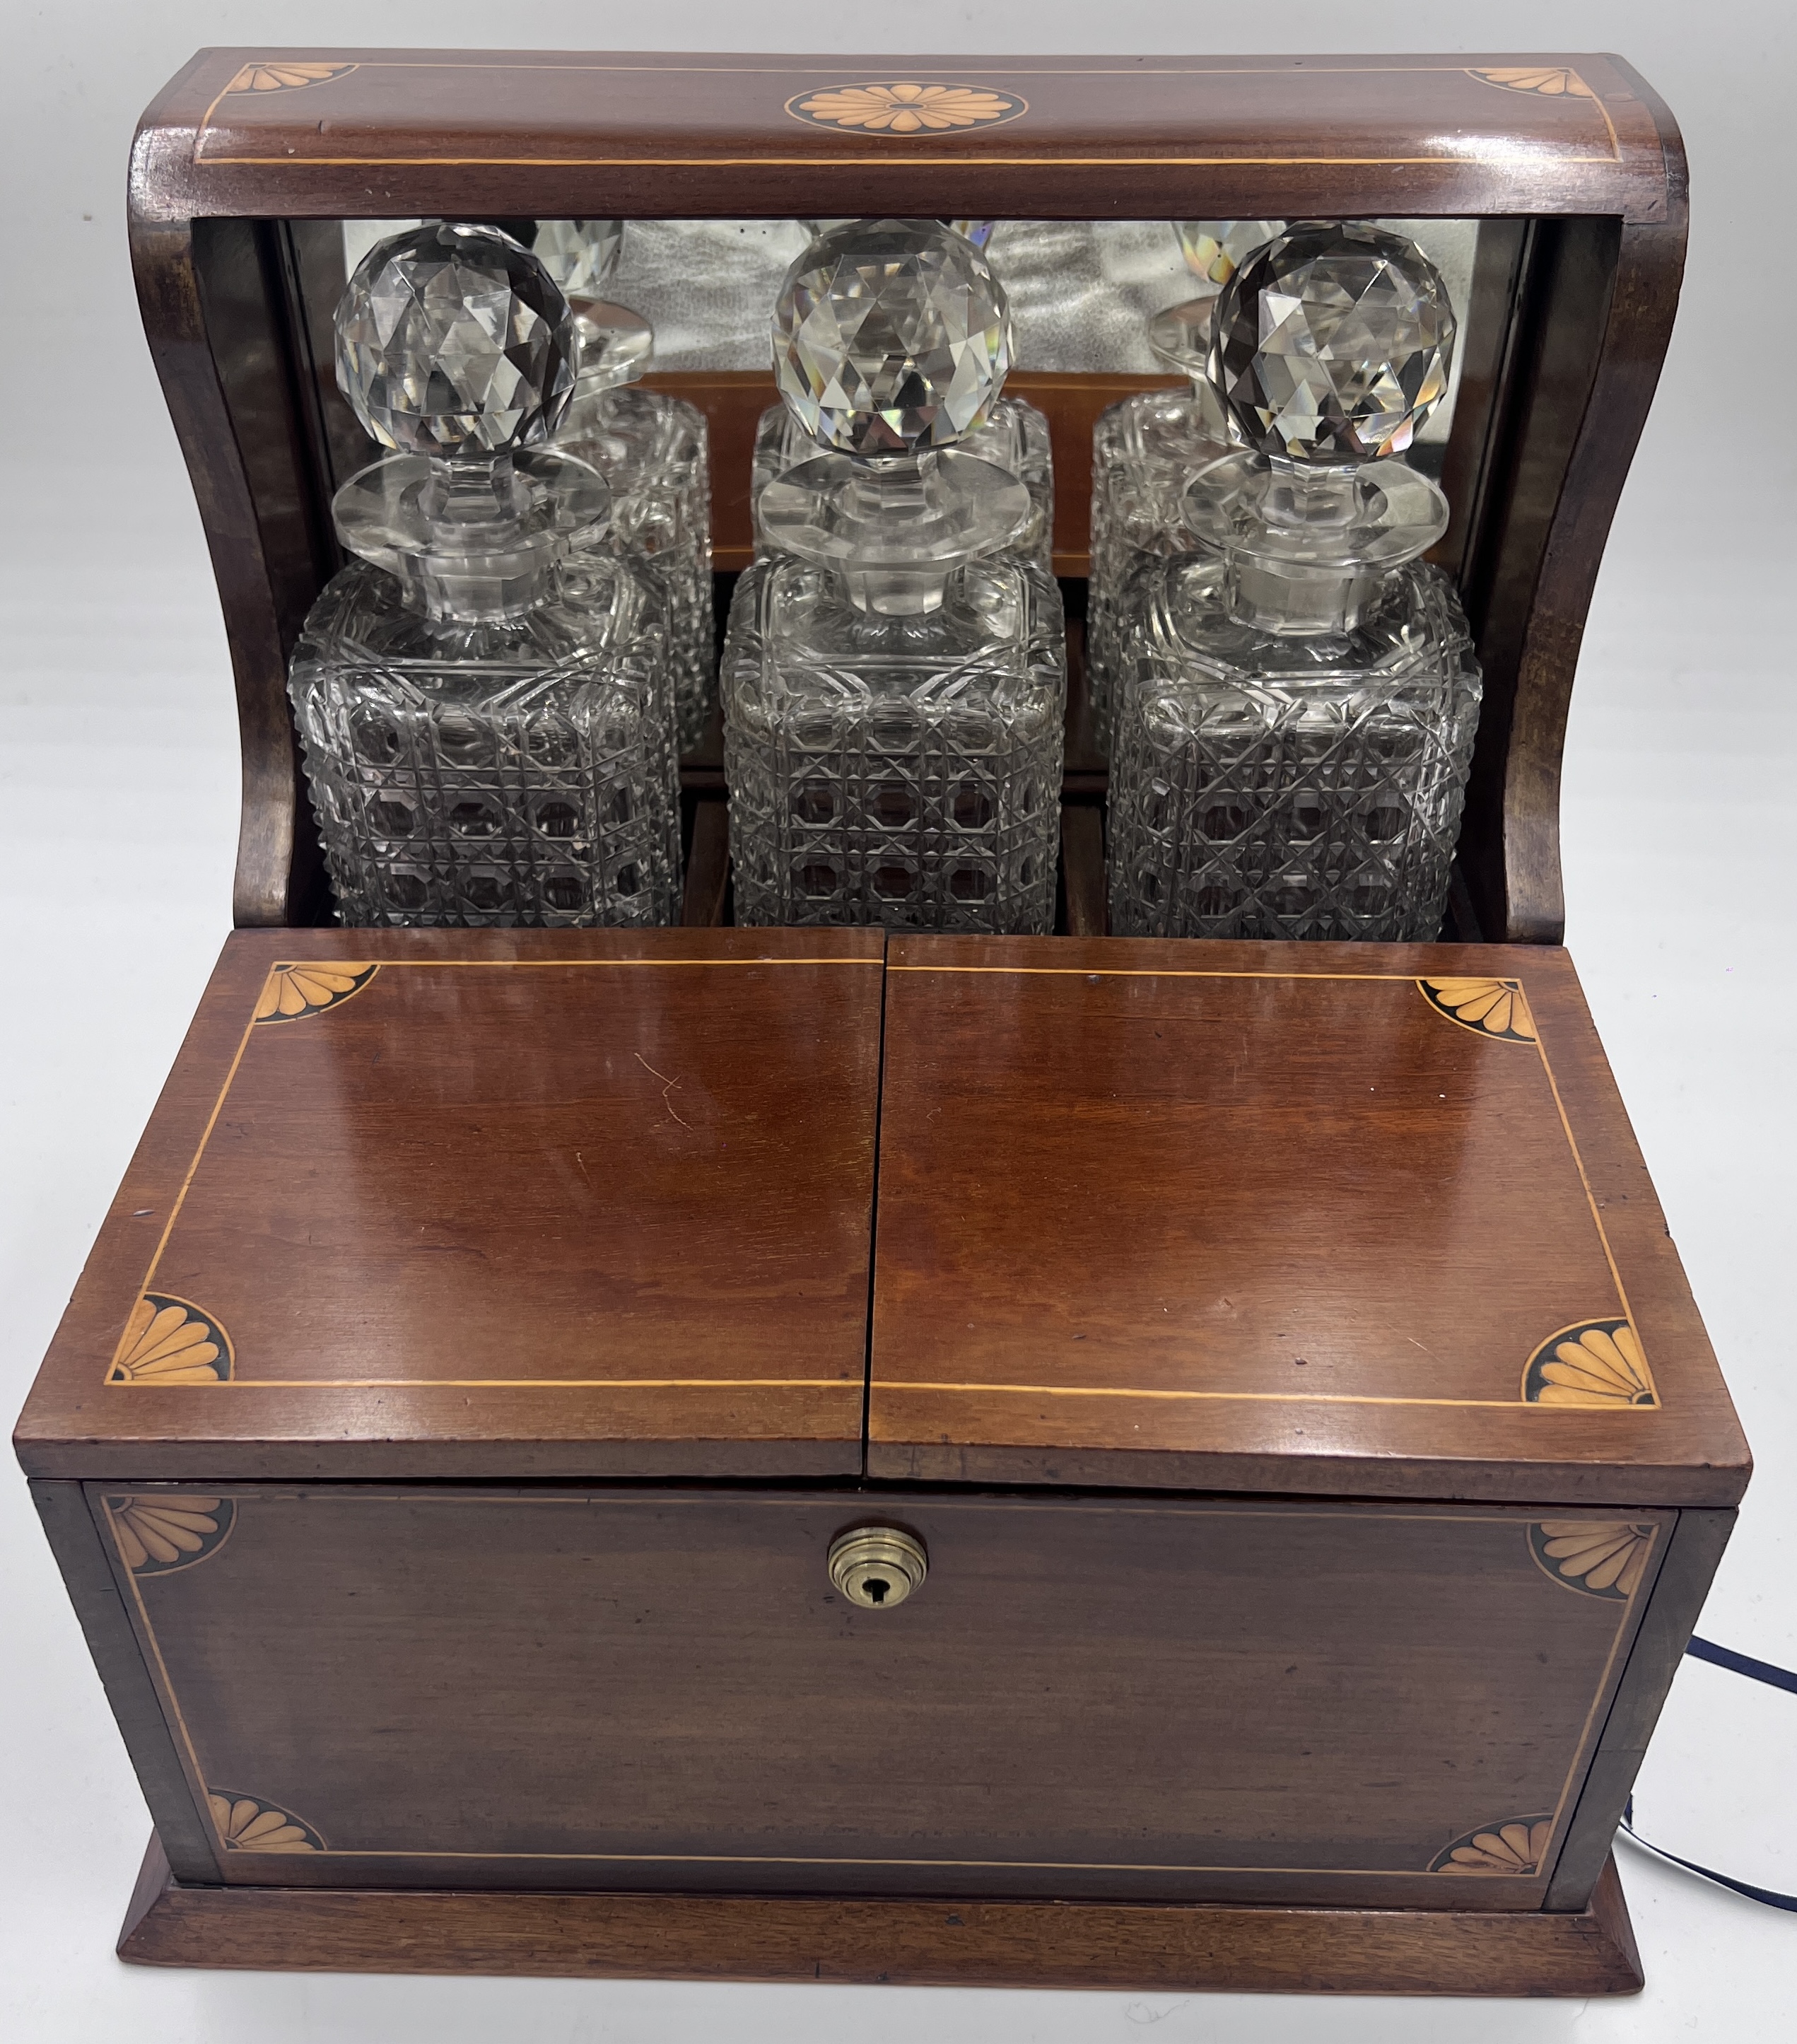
{"points": [[1694, 1552], [82, 1553]]}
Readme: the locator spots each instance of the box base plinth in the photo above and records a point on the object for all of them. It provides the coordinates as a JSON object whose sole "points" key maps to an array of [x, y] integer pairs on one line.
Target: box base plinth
{"points": [[1141, 1947]]}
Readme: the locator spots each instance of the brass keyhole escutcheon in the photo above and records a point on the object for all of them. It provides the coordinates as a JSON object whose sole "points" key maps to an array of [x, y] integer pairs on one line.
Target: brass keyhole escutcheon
{"points": [[878, 1567]]}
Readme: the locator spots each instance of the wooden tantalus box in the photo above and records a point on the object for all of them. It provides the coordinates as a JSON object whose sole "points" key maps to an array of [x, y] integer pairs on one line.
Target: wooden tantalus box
{"points": [[1276, 1353], [524, 1373]]}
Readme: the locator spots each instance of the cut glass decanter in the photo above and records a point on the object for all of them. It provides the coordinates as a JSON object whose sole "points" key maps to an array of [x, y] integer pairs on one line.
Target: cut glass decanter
{"points": [[651, 447], [895, 672], [483, 696], [1014, 435], [1297, 703], [1146, 449]]}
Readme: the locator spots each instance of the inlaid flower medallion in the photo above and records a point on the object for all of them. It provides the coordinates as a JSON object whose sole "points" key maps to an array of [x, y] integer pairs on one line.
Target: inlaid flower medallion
{"points": [[1592, 1363], [1551, 81], [292, 993], [272, 77], [169, 1340], [1600, 1558], [1487, 1007], [158, 1532], [1515, 1848], [247, 1825], [904, 108]]}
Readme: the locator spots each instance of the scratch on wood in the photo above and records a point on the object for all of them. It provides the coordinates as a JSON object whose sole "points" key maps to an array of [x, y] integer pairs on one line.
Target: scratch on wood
{"points": [[668, 1086]]}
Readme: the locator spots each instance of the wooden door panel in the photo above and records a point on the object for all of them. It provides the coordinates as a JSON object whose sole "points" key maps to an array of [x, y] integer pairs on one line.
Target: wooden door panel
{"points": [[1086, 1697]]}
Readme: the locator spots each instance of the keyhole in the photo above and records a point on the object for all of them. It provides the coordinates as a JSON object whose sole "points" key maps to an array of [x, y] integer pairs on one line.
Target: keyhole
{"points": [[877, 1567]]}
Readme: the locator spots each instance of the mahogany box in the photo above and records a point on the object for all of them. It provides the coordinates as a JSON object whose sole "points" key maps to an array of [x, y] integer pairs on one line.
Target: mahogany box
{"points": [[1284, 1460]]}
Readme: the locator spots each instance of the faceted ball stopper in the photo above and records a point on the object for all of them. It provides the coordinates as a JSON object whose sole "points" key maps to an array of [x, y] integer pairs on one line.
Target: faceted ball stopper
{"points": [[581, 254], [891, 337], [978, 232], [1213, 249], [1331, 345], [454, 339]]}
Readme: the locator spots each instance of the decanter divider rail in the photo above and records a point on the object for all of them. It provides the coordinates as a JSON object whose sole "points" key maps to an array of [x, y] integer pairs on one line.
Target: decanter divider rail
{"points": [[707, 865]]}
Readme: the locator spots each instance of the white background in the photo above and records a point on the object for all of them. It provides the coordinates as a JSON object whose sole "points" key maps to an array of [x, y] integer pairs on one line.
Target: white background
{"points": [[118, 817]]}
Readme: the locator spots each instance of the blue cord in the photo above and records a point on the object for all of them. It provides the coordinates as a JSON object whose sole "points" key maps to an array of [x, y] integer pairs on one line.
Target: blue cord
{"points": [[1756, 1671]]}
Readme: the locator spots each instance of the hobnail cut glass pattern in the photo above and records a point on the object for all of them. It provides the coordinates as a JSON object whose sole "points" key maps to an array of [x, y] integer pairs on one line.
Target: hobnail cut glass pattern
{"points": [[1267, 785], [897, 771], [653, 450], [890, 336], [1144, 452], [1333, 343], [1015, 438], [454, 339], [515, 771]]}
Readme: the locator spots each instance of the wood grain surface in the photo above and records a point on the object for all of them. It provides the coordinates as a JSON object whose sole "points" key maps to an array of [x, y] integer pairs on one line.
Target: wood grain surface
{"points": [[579, 1200], [87, 1555], [1687, 1570], [1593, 317], [1151, 1697], [212, 317], [1263, 1217], [1193, 1948]]}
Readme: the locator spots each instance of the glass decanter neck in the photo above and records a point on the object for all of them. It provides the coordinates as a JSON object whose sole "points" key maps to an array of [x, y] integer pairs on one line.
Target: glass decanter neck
{"points": [[894, 528], [887, 495], [1311, 500], [470, 538], [1308, 546], [477, 496]]}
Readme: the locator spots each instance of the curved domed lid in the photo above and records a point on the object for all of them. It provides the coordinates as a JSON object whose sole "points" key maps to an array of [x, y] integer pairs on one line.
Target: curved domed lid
{"points": [[454, 339], [891, 337]]}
